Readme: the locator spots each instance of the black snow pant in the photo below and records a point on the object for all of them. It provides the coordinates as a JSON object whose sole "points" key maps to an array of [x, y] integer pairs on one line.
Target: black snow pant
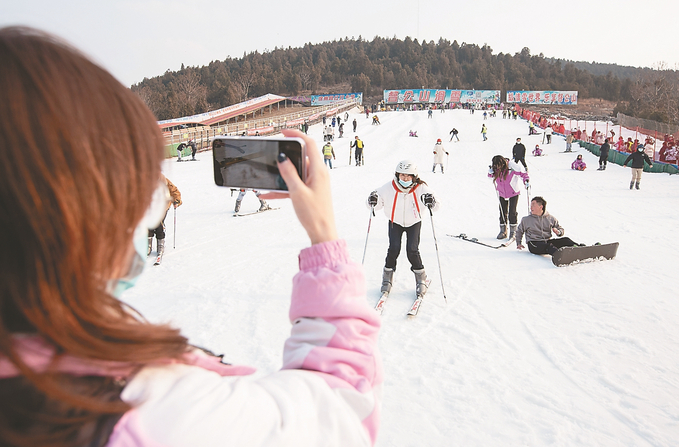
{"points": [[522, 161], [359, 156], [412, 245], [550, 246], [603, 159], [159, 231], [511, 204]]}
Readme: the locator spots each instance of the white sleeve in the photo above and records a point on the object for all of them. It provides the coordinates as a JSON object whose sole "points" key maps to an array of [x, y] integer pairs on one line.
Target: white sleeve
{"points": [[186, 406]]}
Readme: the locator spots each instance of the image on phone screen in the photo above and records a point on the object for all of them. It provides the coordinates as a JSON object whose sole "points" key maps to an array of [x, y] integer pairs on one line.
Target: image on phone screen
{"points": [[245, 162]]}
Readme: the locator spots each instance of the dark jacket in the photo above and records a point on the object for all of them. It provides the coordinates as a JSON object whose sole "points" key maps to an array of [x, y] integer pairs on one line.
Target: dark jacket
{"points": [[519, 151], [638, 158], [604, 150]]}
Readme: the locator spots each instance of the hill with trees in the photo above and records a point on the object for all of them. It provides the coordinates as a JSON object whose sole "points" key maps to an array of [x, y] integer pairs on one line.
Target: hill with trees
{"points": [[391, 63]]}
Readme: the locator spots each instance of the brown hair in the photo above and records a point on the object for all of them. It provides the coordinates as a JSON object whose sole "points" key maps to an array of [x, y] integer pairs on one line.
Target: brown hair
{"points": [[500, 167], [85, 159]]}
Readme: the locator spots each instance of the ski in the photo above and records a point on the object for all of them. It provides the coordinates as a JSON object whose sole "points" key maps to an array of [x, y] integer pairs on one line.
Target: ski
{"points": [[254, 212], [159, 259], [476, 241], [380, 304], [415, 308]]}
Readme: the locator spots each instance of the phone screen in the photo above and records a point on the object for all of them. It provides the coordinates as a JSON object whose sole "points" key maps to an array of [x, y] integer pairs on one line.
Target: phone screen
{"points": [[250, 162]]}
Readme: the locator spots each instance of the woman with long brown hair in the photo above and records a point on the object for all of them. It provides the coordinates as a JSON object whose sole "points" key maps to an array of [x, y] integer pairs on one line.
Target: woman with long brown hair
{"points": [[505, 180], [78, 367]]}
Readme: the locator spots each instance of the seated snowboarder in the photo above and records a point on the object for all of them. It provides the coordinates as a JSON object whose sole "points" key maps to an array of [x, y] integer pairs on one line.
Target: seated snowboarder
{"points": [[538, 228]]}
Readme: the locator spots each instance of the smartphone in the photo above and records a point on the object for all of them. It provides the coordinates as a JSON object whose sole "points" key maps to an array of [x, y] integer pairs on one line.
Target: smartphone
{"points": [[250, 162]]}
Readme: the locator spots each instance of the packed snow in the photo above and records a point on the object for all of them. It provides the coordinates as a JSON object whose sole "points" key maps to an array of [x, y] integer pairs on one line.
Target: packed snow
{"points": [[522, 352]]}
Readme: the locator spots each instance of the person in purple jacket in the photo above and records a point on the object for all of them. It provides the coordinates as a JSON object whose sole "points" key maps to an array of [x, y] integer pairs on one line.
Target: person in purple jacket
{"points": [[79, 367], [506, 182], [578, 164]]}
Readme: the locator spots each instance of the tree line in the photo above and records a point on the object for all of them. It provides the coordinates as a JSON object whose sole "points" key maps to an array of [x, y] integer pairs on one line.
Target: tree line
{"points": [[373, 66]]}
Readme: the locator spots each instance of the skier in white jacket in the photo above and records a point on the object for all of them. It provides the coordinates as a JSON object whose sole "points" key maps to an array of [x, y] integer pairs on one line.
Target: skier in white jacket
{"points": [[439, 151], [403, 200]]}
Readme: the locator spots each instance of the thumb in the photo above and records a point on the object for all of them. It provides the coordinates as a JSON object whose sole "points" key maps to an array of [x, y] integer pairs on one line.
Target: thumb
{"points": [[289, 173]]}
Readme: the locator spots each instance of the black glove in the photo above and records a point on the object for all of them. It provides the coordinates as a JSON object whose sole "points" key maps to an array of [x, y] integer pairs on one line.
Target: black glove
{"points": [[372, 198], [428, 200]]}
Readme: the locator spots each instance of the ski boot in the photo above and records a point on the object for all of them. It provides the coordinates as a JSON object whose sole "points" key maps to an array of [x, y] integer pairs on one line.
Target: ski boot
{"points": [[148, 251], [237, 208], [503, 232], [387, 277], [636, 185], [263, 205], [512, 231], [420, 282], [631, 185]]}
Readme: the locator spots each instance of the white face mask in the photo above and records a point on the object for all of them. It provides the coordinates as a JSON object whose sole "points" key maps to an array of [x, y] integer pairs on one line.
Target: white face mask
{"points": [[404, 183]]}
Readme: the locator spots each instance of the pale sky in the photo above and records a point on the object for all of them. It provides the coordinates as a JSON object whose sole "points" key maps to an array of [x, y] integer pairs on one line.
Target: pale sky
{"points": [[135, 39]]}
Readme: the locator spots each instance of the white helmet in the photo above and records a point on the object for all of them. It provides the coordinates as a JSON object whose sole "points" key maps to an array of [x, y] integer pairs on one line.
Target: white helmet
{"points": [[407, 167]]}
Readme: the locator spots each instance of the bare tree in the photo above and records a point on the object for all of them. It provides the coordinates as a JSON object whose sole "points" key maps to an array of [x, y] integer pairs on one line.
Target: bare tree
{"points": [[190, 91]]}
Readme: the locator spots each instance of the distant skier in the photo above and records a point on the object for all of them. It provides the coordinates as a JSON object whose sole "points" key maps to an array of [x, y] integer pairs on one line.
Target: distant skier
{"points": [[569, 142], [346, 117], [506, 180], [263, 206], [192, 144], [438, 155], [341, 130], [430, 114], [603, 155], [548, 133], [355, 124], [412, 134], [180, 149], [376, 120], [519, 153], [484, 132], [358, 144], [159, 231], [453, 134], [637, 158], [328, 154], [538, 228], [537, 152], [403, 199]]}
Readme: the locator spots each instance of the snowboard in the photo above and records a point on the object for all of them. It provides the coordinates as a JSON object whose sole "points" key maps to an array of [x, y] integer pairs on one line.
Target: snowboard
{"points": [[570, 255]]}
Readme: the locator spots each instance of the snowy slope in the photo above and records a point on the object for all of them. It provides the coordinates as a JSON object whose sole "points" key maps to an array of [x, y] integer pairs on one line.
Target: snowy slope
{"points": [[522, 353]]}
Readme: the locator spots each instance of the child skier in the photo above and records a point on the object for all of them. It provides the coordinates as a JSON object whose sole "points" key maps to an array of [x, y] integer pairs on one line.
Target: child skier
{"points": [[578, 164], [263, 206], [402, 199]]}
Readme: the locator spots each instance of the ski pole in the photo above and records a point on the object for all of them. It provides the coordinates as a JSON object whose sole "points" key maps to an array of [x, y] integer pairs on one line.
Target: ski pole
{"points": [[370, 219], [174, 239], [504, 216], [438, 259], [528, 197]]}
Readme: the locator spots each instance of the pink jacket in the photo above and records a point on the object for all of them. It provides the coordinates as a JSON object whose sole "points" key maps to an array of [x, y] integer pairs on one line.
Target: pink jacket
{"points": [[508, 187], [578, 165], [328, 391]]}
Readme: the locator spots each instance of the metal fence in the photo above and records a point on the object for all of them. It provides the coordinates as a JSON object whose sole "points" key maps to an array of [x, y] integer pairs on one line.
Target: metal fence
{"points": [[648, 127]]}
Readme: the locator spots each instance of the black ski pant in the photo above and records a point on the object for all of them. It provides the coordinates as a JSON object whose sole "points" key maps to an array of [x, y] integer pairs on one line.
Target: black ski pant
{"points": [[159, 231], [359, 156], [412, 245], [521, 160], [603, 159], [512, 215], [550, 246]]}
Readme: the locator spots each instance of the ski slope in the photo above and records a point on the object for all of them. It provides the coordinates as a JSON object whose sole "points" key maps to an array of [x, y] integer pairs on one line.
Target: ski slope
{"points": [[522, 353]]}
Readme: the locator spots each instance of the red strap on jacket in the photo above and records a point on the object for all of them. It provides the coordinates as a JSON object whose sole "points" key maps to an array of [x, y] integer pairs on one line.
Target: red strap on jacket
{"points": [[393, 206]]}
